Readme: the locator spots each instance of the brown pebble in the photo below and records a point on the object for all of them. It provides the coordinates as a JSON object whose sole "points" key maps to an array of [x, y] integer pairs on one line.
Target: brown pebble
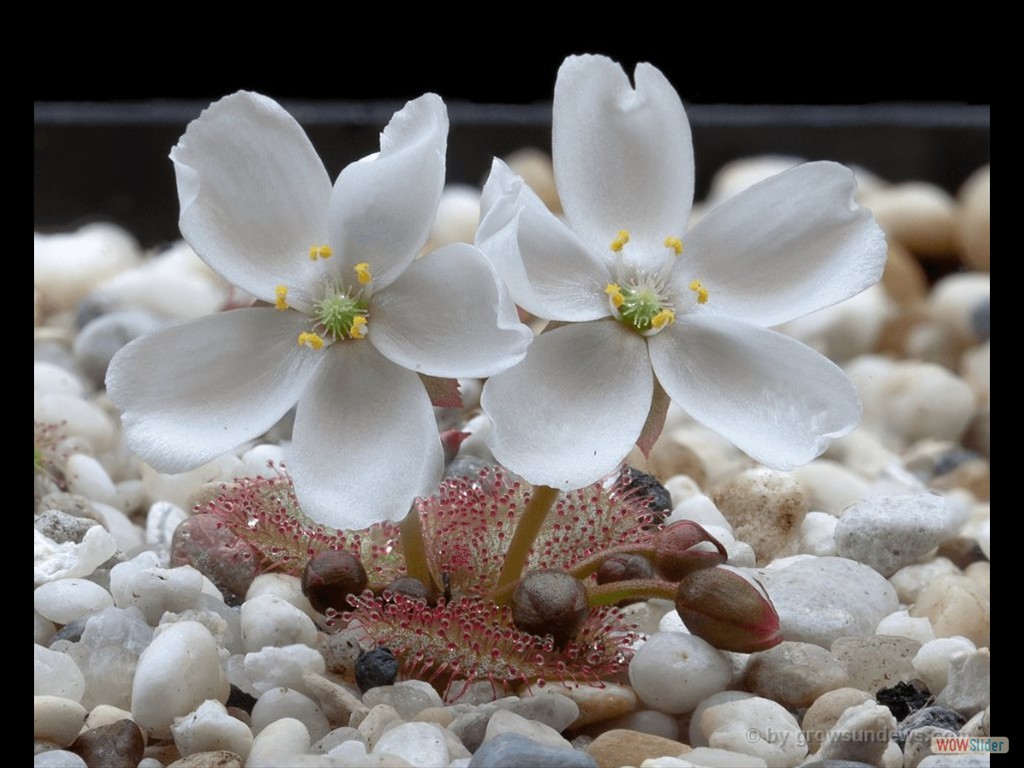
{"points": [[825, 712], [904, 278], [441, 715], [962, 551], [765, 508], [619, 747], [918, 215], [956, 605], [340, 651], [337, 702], [972, 475], [534, 165], [109, 746], [218, 759], [794, 674], [974, 219]]}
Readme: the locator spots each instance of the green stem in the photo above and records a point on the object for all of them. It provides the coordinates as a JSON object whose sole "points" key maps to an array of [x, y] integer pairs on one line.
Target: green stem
{"points": [[529, 526], [630, 589], [414, 549]]}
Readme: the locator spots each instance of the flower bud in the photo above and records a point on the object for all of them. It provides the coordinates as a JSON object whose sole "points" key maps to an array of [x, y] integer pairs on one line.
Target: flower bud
{"points": [[550, 603], [684, 547], [729, 610], [411, 588], [624, 567], [330, 577]]}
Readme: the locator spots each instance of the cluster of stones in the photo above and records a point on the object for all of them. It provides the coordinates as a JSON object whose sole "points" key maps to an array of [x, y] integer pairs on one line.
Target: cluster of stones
{"points": [[876, 556]]}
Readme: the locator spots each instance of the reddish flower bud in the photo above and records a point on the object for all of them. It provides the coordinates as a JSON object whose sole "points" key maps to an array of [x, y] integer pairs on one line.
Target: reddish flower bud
{"points": [[684, 547], [729, 610]]}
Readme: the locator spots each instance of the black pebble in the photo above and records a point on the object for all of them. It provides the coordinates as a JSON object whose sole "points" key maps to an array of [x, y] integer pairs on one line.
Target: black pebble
{"points": [[659, 501], [241, 699], [904, 698], [376, 667]]}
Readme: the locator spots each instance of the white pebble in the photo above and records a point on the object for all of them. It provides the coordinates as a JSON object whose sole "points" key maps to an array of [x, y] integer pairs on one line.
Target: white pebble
{"points": [[42, 629], [179, 670], [682, 488], [58, 758], [269, 620], [673, 672], [861, 734], [65, 600], [57, 674], [69, 265], [282, 667], [706, 757], [754, 726], [830, 486], [817, 534], [88, 478], [458, 213], [820, 599], [155, 590], [179, 488], [284, 586], [161, 521], [889, 532], [52, 379], [953, 299], [969, 689], [911, 580], [278, 743], [128, 535], [420, 744], [257, 458], [847, 329], [278, 703], [933, 660], [902, 624], [210, 728], [55, 561], [78, 418], [57, 719], [700, 509]]}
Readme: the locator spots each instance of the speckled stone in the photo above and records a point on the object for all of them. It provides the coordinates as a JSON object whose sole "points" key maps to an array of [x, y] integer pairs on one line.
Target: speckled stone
{"points": [[765, 508], [794, 674], [219, 759], [619, 747], [876, 662]]}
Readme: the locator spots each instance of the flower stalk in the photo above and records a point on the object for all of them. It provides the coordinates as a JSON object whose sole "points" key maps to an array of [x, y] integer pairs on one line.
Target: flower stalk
{"points": [[541, 500]]}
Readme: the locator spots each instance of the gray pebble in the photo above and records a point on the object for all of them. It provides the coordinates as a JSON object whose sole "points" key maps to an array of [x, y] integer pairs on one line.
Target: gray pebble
{"points": [[63, 527], [889, 532], [552, 709], [981, 319], [939, 717], [336, 737], [100, 339], [119, 743], [511, 750], [408, 698]]}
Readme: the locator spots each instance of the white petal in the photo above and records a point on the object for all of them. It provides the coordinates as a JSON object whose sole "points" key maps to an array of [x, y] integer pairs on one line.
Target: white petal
{"points": [[365, 443], [785, 247], [448, 315], [548, 270], [571, 411], [383, 206], [778, 400], [253, 192], [623, 158], [191, 392]]}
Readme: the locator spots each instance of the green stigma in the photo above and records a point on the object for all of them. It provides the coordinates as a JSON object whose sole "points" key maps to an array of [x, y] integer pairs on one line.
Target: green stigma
{"points": [[341, 316]]}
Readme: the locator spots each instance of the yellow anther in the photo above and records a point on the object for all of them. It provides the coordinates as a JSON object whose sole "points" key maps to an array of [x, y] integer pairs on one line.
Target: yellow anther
{"points": [[614, 294], [700, 290], [320, 252], [358, 329], [620, 240], [310, 340], [675, 244], [663, 318], [279, 293], [363, 272]]}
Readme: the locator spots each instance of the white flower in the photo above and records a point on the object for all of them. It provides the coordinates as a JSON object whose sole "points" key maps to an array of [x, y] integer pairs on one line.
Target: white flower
{"points": [[646, 307], [354, 316]]}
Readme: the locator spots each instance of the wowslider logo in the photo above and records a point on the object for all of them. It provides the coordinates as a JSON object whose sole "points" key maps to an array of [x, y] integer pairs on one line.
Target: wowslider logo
{"points": [[967, 745]]}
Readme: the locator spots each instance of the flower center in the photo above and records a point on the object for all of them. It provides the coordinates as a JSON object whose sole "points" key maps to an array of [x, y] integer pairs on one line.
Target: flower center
{"points": [[341, 313], [643, 300]]}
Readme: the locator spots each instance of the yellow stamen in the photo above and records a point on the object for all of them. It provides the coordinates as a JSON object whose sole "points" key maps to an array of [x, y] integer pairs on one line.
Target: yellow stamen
{"points": [[358, 329], [663, 318], [620, 240], [700, 290], [320, 252], [363, 272], [675, 244], [614, 294], [279, 293], [310, 340]]}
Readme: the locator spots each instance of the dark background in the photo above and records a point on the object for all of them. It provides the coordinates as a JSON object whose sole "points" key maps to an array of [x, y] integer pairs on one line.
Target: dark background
{"points": [[104, 124]]}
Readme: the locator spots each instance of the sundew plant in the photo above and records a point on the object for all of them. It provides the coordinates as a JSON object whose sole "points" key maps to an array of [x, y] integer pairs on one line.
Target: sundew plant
{"points": [[514, 572]]}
